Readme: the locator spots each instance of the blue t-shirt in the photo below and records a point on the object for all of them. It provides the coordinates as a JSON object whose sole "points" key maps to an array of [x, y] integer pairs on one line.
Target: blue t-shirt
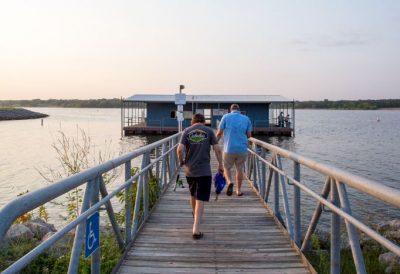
{"points": [[235, 127]]}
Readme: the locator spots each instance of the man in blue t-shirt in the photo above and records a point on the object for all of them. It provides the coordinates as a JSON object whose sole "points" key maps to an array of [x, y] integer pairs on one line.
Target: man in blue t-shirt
{"points": [[236, 129]]}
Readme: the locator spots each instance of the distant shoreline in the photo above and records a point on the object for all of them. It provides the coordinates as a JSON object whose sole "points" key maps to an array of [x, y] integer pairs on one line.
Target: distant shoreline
{"points": [[377, 104], [19, 114]]}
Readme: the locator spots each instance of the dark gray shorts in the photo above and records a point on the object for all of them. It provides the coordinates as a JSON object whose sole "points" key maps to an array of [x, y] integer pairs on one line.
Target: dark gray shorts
{"points": [[200, 187]]}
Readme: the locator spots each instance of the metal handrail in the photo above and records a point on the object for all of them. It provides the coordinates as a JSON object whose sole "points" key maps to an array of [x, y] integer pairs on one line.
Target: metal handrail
{"points": [[375, 189], [335, 184], [165, 151]]}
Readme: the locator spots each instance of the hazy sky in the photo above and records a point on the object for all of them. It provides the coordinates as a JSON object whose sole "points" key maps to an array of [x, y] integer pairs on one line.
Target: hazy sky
{"points": [[104, 49]]}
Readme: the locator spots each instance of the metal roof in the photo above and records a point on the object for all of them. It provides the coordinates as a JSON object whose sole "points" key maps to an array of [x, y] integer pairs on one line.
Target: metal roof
{"points": [[159, 98]]}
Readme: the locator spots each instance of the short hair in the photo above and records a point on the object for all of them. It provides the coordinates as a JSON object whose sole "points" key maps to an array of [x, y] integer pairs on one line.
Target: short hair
{"points": [[198, 118], [234, 107]]}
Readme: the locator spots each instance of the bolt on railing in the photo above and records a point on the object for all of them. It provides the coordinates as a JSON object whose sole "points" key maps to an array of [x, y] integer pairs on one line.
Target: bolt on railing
{"points": [[338, 204], [165, 153]]}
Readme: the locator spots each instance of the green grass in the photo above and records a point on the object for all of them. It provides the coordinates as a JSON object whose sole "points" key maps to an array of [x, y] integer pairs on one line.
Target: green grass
{"points": [[320, 258], [48, 262], [7, 108]]}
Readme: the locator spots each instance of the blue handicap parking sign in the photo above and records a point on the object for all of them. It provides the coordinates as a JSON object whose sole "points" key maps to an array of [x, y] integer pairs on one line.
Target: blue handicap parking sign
{"points": [[92, 240]]}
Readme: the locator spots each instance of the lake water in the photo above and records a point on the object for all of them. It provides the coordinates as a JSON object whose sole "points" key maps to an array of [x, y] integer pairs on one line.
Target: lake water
{"points": [[351, 140]]}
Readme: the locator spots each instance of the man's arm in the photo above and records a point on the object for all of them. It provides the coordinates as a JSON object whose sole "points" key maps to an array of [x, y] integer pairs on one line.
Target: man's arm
{"points": [[220, 132], [218, 154], [249, 129], [181, 154]]}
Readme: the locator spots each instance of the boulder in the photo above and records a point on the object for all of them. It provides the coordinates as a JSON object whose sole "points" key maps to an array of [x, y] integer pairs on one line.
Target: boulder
{"points": [[40, 227], [391, 261], [393, 225], [19, 232], [62, 246]]}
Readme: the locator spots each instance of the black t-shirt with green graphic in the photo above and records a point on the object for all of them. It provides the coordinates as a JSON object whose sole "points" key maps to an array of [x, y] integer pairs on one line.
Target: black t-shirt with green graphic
{"points": [[198, 140]]}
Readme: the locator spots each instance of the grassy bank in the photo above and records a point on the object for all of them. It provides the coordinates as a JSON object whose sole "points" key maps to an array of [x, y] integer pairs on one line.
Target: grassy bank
{"points": [[52, 261]]}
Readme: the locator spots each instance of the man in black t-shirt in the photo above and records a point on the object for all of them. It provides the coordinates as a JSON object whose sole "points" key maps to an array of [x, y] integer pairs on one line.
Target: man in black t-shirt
{"points": [[196, 142]]}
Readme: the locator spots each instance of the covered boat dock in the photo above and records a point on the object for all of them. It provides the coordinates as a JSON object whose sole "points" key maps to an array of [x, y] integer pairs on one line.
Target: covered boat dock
{"points": [[156, 114]]}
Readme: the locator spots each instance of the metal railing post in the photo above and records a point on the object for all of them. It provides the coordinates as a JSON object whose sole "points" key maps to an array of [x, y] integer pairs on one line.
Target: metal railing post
{"points": [[95, 257], [316, 215], [276, 193], [285, 198], [335, 232], [255, 168], [354, 240], [128, 204], [263, 173], [80, 232], [158, 176], [296, 206], [139, 194], [146, 187], [164, 165], [173, 157], [111, 216]]}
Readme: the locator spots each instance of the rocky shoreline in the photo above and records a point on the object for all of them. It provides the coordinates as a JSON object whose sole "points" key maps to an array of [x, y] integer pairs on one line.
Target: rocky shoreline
{"points": [[19, 114]]}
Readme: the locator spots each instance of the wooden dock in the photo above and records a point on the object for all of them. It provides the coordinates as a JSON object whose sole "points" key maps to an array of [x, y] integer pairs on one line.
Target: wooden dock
{"points": [[239, 236]]}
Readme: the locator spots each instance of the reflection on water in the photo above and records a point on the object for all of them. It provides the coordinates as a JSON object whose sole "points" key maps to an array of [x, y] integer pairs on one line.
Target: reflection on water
{"points": [[350, 140]]}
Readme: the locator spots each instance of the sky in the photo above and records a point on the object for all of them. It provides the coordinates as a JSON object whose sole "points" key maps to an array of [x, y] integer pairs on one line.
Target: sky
{"points": [[302, 50]]}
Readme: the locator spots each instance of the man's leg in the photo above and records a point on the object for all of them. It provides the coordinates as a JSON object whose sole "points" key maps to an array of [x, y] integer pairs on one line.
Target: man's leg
{"points": [[239, 164], [227, 175], [239, 179], [198, 213], [193, 204], [228, 163]]}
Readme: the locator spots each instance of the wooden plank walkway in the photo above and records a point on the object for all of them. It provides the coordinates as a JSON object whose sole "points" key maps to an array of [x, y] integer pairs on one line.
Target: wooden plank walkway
{"points": [[239, 236]]}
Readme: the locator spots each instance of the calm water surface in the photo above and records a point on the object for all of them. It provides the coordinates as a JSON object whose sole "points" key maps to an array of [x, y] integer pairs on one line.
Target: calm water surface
{"points": [[351, 140]]}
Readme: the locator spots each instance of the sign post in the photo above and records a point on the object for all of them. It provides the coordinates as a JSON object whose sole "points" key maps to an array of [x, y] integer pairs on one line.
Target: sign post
{"points": [[92, 240], [180, 100]]}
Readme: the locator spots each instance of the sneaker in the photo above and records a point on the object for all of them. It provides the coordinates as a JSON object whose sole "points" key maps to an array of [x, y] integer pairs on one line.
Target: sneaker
{"points": [[229, 190]]}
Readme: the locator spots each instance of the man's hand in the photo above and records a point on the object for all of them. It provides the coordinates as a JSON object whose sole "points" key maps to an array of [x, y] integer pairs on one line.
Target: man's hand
{"points": [[221, 168], [181, 163]]}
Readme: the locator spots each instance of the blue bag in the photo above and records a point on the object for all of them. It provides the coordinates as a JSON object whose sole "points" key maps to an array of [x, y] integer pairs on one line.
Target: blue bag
{"points": [[219, 183]]}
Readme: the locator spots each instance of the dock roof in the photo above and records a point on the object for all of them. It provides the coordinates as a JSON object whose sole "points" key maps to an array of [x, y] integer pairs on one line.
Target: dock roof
{"points": [[226, 98]]}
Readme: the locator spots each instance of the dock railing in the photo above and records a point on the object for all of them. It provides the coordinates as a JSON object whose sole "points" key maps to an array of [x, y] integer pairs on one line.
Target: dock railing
{"points": [[264, 168], [158, 158]]}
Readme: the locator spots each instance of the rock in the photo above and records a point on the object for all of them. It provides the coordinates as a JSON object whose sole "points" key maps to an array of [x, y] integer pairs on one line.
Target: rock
{"points": [[19, 232], [40, 227], [390, 261], [19, 114], [62, 246], [393, 225], [393, 236]]}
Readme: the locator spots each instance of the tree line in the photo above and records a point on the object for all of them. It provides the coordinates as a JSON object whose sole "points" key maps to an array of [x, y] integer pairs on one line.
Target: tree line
{"points": [[116, 103], [349, 104], [64, 103]]}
